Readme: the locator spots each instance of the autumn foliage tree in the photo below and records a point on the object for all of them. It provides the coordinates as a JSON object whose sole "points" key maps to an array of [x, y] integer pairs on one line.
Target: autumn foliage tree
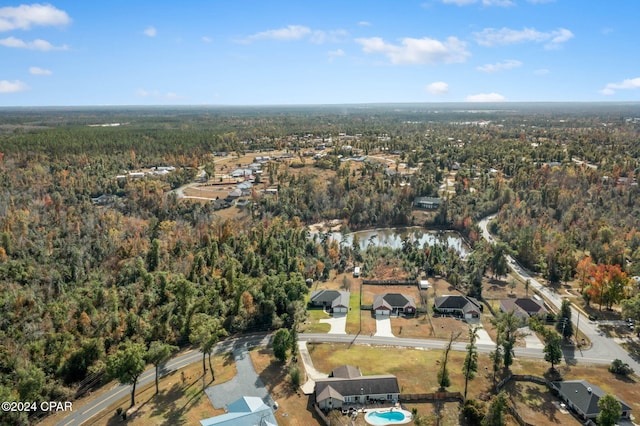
{"points": [[608, 285]]}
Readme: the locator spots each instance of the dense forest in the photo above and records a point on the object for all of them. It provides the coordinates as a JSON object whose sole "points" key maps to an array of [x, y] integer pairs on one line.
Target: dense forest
{"points": [[78, 279]]}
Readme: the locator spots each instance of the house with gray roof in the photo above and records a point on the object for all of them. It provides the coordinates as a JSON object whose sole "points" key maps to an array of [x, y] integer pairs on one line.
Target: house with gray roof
{"points": [[393, 304], [334, 300], [246, 411], [465, 307], [582, 397], [523, 307], [349, 386]]}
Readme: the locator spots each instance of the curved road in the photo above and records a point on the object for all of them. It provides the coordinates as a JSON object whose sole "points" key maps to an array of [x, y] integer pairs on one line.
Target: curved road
{"points": [[602, 351], [602, 347]]}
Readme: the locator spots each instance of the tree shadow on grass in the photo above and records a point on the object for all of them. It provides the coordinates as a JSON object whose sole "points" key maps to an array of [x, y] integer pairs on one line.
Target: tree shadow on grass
{"points": [[171, 404]]}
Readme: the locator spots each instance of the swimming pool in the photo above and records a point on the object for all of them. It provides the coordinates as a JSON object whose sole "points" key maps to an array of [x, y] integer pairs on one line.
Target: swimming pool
{"points": [[387, 417]]}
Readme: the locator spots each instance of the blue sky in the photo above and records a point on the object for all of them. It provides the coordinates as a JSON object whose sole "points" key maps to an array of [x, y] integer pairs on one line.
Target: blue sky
{"points": [[257, 52]]}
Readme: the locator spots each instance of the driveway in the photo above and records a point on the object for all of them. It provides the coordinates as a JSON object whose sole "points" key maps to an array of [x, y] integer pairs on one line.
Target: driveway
{"points": [[338, 323], [531, 339], [312, 374], [245, 383], [383, 327], [483, 337]]}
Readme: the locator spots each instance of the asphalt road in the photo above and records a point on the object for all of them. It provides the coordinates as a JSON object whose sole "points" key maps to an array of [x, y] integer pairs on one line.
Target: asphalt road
{"points": [[602, 347]]}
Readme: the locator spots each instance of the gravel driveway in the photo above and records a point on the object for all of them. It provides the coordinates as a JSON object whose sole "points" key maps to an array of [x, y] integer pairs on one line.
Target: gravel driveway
{"points": [[245, 383]]}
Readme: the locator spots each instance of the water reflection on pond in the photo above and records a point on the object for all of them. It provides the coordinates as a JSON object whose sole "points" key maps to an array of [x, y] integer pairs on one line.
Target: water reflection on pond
{"points": [[394, 237]]}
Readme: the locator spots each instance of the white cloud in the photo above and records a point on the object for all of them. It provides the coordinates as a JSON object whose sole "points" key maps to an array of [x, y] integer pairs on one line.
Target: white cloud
{"points": [[333, 36], [364, 23], [291, 32], [504, 65], [630, 83], [207, 39], [37, 44], [150, 32], [39, 71], [417, 50], [25, 16], [541, 71], [438, 88], [12, 86], [486, 97], [335, 54], [483, 2], [493, 37]]}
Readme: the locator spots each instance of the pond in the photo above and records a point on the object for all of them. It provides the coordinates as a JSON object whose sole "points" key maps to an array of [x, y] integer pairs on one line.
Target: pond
{"points": [[393, 238]]}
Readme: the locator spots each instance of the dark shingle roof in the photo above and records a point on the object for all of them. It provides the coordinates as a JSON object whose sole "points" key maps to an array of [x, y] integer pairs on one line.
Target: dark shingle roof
{"points": [[331, 298], [584, 396], [324, 296], [464, 303], [530, 305], [393, 300], [364, 385]]}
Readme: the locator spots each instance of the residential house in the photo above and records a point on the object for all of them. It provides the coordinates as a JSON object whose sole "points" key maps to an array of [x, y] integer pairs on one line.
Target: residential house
{"points": [[246, 411], [335, 300], [236, 193], [463, 306], [429, 203], [524, 307], [582, 397], [393, 304], [237, 173], [346, 385]]}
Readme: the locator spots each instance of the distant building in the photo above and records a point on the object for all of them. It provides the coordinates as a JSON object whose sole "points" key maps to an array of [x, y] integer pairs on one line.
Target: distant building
{"points": [[429, 203]]}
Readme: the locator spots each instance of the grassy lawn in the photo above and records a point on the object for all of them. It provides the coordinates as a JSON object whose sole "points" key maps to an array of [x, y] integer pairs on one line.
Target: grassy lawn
{"points": [[535, 403], [414, 368], [417, 373], [353, 316], [312, 324]]}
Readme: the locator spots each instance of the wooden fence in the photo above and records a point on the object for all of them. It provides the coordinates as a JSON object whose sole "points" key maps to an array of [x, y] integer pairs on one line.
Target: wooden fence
{"points": [[430, 397], [390, 282]]}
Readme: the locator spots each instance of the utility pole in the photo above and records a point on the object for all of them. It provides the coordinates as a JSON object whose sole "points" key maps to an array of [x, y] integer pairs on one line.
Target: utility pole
{"points": [[578, 329]]}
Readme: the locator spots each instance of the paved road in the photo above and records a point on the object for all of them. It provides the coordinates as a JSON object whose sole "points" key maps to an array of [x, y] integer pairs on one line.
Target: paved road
{"points": [[84, 414], [602, 347]]}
